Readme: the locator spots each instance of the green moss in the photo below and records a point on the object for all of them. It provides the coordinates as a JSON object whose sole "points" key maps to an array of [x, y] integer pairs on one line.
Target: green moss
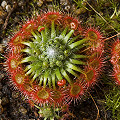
{"points": [[113, 102]]}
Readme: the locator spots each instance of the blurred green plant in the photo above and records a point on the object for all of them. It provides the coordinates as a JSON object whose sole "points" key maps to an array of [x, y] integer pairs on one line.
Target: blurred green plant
{"points": [[81, 4], [113, 102]]}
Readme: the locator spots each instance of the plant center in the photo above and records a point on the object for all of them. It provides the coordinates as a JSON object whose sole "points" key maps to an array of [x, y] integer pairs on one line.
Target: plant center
{"points": [[54, 54]]}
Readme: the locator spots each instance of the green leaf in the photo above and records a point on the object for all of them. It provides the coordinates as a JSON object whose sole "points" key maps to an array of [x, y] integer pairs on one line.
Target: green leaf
{"points": [[27, 50], [71, 66], [63, 33], [41, 79], [72, 72], [53, 32], [80, 56], [77, 62], [53, 80], [45, 78], [42, 34], [66, 38], [49, 81], [29, 71], [80, 42], [73, 39], [30, 44], [28, 59], [36, 36], [37, 72], [58, 74], [65, 75]]}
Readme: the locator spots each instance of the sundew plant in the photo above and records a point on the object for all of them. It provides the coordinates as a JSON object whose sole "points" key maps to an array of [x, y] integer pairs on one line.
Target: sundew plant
{"points": [[53, 60]]}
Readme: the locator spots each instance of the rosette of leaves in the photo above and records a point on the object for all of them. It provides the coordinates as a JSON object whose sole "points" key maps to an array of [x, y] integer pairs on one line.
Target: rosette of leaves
{"points": [[52, 60]]}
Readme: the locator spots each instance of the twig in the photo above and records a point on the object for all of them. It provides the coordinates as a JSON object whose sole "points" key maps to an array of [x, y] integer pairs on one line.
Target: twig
{"points": [[112, 37], [98, 115], [7, 18], [101, 16]]}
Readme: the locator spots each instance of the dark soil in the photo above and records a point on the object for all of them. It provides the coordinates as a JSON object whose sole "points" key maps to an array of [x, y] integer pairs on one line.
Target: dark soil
{"points": [[12, 104]]}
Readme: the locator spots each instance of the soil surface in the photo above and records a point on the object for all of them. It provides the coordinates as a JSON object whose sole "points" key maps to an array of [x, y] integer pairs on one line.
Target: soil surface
{"points": [[12, 104]]}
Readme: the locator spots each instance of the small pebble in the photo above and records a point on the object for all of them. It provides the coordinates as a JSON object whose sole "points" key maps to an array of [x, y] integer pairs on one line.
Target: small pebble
{"points": [[22, 110], [80, 10], [40, 3], [1, 94], [3, 14], [16, 19], [85, 119], [4, 4], [15, 94], [107, 4], [50, 7], [8, 8], [14, 113], [63, 2], [1, 75], [1, 21], [0, 85], [0, 101], [1, 48], [49, 0], [5, 89], [1, 109], [5, 101], [5, 41], [73, 7], [20, 3], [67, 8], [1, 8]]}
